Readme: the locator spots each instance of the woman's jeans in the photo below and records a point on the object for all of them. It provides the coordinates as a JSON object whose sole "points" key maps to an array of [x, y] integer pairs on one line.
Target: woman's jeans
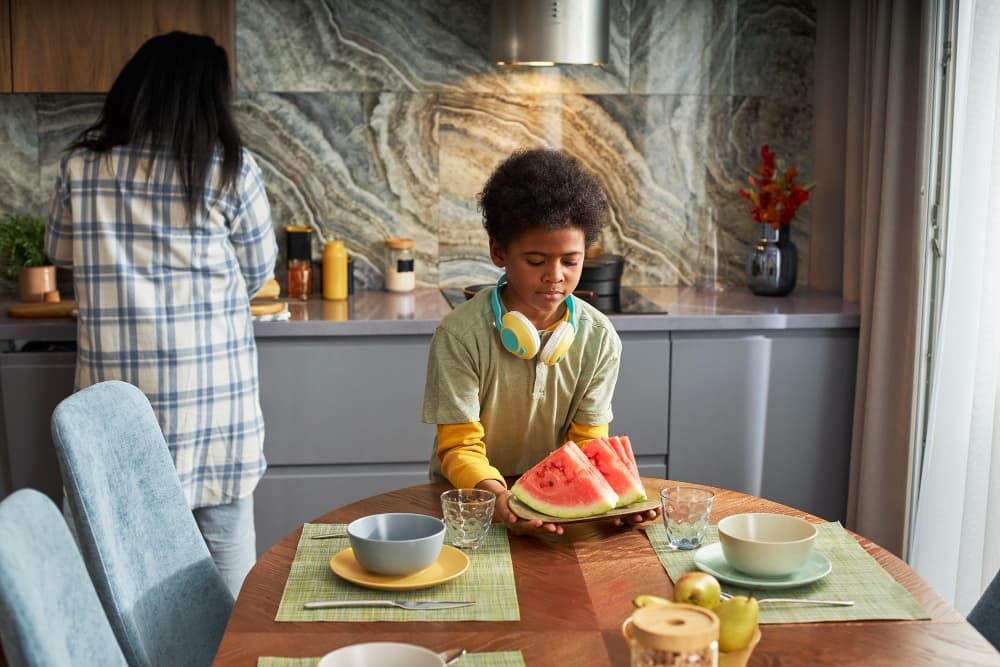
{"points": [[229, 533]]}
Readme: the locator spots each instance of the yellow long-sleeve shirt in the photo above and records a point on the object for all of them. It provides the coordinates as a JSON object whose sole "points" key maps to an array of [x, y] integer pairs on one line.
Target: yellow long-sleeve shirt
{"points": [[462, 451]]}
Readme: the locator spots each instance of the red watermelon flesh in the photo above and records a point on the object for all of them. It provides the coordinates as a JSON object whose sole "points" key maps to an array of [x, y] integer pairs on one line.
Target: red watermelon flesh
{"points": [[624, 448], [565, 484], [617, 471]]}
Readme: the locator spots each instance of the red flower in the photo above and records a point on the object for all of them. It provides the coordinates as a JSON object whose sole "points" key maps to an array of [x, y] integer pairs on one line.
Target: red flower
{"points": [[774, 201]]}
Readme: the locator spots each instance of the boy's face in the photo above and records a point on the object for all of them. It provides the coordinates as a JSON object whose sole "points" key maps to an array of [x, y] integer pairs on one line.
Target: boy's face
{"points": [[543, 268]]}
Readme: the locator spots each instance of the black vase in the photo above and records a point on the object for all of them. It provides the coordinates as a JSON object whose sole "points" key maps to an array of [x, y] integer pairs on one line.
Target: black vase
{"points": [[772, 262]]}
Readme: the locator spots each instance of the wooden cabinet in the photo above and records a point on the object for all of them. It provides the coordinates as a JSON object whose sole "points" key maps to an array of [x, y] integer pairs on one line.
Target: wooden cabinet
{"points": [[766, 413], [80, 46], [5, 77]]}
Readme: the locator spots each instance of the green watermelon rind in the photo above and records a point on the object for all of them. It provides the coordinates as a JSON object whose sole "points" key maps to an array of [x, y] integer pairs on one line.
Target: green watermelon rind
{"points": [[603, 497]]}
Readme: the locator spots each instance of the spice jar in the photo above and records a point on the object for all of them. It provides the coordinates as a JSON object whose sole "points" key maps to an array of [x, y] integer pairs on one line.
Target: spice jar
{"points": [[672, 635], [399, 275], [298, 252]]}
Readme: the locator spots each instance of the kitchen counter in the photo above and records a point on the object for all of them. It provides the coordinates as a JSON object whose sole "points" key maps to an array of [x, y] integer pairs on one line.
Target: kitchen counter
{"points": [[377, 313], [342, 386]]}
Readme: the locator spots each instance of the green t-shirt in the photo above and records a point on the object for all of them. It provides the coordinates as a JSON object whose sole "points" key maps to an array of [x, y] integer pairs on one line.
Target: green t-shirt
{"points": [[525, 407]]}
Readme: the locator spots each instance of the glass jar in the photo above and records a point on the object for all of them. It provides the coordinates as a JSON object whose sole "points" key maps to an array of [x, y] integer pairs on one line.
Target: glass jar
{"points": [[399, 275], [672, 635], [299, 279], [298, 253]]}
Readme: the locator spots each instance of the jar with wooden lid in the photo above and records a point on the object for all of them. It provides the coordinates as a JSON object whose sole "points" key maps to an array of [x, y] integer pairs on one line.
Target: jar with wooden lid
{"points": [[672, 635], [399, 274]]}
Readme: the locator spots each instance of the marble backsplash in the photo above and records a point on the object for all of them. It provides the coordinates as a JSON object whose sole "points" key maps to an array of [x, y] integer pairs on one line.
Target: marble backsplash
{"points": [[385, 119]]}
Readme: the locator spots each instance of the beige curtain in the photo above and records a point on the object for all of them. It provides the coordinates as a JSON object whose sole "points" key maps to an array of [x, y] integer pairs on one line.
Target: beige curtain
{"points": [[882, 240]]}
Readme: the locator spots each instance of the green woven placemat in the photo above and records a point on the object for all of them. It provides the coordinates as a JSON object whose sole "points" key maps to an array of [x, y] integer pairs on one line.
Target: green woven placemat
{"points": [[489, 581], [496, 659], [855, 576]]}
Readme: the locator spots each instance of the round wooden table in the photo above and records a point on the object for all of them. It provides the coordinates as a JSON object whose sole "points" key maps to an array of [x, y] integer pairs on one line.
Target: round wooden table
{"points": [[574, 592]]}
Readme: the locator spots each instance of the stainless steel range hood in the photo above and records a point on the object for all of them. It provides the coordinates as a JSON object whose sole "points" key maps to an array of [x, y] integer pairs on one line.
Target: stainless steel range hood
{"points": [[549, 32]]}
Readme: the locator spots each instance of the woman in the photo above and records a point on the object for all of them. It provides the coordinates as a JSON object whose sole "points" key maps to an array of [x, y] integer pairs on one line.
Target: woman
{"points": [[162, 215]]}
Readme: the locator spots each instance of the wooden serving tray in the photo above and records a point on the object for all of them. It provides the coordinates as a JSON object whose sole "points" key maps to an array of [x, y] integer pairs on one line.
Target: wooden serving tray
{"points": [[67, 308], [41, 309], [652, 501]]}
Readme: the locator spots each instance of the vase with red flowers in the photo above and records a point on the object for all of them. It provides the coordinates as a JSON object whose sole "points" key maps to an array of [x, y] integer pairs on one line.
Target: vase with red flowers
{"points": [[772, 262]]}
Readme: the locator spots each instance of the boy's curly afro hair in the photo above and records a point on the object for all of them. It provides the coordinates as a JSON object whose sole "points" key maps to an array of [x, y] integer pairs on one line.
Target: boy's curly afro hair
{"points": [[545, 188]]}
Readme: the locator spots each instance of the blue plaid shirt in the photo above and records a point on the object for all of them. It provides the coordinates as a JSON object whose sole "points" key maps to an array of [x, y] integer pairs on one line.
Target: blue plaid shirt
{"points": [[164, 303]]}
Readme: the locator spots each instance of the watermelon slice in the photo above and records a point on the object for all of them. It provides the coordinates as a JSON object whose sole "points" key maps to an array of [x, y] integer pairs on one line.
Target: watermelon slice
{"points": [[624, 448], [565, 484], [616, 470]]}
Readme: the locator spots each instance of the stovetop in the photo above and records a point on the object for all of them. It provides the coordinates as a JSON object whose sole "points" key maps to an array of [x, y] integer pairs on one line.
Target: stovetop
{"points": [[630, 302]]}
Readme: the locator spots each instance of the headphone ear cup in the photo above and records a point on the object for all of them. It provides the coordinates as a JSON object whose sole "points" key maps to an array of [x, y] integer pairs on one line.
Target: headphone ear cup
{"points": [[518, 335], [558, 344]]}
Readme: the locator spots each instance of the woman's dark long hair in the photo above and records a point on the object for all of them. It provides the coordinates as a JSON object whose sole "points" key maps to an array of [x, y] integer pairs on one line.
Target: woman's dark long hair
{"points": [[174, 92]]}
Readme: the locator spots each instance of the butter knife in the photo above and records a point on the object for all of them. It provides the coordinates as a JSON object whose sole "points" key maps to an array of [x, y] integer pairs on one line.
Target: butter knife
{"points": [[402, 604]]}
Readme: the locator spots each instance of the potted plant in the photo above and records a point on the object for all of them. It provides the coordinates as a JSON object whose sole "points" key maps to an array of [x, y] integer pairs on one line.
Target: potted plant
{"points": [[22, 256]]}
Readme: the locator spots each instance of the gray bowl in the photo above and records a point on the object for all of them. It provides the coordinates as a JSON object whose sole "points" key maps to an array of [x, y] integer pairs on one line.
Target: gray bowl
{"points": [[396, 543]]}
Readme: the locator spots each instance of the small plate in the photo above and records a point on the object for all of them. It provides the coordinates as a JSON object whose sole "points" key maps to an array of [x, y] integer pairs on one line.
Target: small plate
{"points": [[709, 559], [651, 502], [450, 563]]}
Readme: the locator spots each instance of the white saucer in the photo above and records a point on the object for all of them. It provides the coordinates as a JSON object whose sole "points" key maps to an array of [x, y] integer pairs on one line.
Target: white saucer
{"points": [[709, 559]]}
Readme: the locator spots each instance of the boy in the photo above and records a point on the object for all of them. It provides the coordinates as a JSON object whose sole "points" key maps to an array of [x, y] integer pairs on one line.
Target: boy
{"points": [[520, 368]]}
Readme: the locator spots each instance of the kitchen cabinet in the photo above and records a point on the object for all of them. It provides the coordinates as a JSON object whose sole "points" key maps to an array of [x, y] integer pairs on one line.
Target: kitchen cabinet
{"points": [[765, 413], [5, 77], [642, 399], [80, 46], [31, 386], [342, 415], [758, 403], [343, 420]]}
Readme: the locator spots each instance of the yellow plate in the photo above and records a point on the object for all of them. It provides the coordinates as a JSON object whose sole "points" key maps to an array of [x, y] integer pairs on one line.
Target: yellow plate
{"points": [[651, 502], [450, 563]]}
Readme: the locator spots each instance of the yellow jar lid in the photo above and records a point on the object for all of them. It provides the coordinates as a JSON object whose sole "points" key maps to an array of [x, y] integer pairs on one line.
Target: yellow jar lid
{"points": [[399, 242], [675, 627], [298, 228]]}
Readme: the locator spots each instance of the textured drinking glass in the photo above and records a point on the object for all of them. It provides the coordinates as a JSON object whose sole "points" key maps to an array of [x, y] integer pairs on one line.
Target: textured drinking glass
{"points": [[468, 514], [702, 225], [685, 514]]}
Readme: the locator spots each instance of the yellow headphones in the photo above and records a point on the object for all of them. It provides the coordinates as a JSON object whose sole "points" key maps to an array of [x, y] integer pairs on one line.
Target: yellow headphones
{"points": [[520, 338]]}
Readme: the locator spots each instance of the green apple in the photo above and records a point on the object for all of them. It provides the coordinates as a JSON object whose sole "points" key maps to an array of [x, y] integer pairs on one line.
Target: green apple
{"points": [[737, 622], [698, 588]]}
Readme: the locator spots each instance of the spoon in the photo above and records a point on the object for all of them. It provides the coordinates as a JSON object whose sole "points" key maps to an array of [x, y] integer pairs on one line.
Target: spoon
{"points": [[836, 603]]}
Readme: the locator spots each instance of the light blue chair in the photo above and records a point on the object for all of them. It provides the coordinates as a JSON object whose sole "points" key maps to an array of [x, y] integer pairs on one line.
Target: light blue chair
{"points": [[985, 616], [49, 611], [165, 599]]}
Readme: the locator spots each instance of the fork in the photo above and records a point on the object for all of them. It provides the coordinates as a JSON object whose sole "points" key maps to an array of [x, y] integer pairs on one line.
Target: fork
{"points": [[836, 603]]}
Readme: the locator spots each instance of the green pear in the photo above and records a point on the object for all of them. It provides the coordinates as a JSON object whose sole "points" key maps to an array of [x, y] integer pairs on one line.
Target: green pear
{"points": [[646, 600], [698, 588], [737, 622]]}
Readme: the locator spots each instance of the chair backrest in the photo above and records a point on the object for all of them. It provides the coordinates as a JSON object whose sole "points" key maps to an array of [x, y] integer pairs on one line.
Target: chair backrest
{"points": [[163, 595], [985, 616], [49, 611]]}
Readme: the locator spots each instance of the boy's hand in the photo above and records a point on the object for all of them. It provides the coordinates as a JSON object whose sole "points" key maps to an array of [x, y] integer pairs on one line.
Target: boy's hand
{"points": [[514, 523], [636, 518], [520, 526]]}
